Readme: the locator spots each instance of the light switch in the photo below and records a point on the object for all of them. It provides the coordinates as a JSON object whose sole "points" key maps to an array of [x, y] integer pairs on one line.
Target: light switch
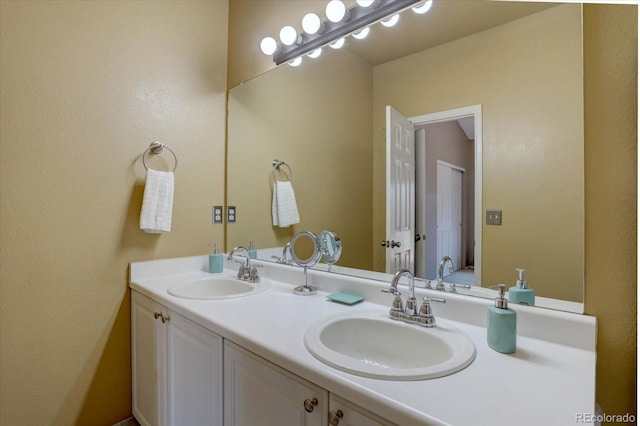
{"points": [[494, 217]]}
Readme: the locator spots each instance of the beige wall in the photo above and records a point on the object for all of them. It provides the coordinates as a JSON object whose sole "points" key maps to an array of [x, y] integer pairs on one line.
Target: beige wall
{"points": [[532, 140], [85, 87], [611, 148], [329, 153]]}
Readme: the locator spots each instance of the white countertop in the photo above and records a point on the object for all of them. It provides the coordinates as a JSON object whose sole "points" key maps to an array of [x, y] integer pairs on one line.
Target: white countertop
{"points": [[549, 379]]}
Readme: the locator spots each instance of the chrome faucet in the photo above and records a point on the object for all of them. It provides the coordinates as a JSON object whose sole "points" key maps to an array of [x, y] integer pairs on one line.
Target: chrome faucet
{"points": [[246, 272], [284, 260], [408, 312], [443, 261]]}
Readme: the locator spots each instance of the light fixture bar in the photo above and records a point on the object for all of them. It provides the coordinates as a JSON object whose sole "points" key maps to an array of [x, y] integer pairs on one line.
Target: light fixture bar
{"points": [[359, 17]]}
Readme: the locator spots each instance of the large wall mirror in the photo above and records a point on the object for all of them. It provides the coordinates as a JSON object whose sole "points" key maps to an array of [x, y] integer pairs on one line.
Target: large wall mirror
{"points": [[520, 63]]}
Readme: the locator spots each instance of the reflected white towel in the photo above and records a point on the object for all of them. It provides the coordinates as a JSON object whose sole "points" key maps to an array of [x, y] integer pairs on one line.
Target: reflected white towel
{"points": [[157, 202], [284, 208]]}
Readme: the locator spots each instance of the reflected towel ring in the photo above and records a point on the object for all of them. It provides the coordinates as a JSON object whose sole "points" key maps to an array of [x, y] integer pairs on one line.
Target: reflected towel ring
{"points": [[156, 148], [276, 165]]}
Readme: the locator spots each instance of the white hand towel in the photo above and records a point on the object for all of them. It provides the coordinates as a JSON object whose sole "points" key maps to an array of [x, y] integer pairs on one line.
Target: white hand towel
{"points": [[157, 202], [284, 208]]}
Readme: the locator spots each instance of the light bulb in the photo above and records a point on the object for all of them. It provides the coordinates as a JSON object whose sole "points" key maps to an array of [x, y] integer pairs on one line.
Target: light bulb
{"points": [[423, 7], [268, 46], [295, 62], [335, 10], [361, 34], [288, 35], [315, 53], [337, 44], [365, 3], [390, 22], [310, 23]]}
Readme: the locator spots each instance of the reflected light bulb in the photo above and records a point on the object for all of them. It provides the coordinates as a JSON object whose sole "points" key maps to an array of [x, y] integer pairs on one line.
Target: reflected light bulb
{"points": [[337, 44], [311, 23], [288, 35], [365, 3], [422, 8], [390, 22], [315, 53], [268, 46], [335, 10], [361, 34], [295, 62]]}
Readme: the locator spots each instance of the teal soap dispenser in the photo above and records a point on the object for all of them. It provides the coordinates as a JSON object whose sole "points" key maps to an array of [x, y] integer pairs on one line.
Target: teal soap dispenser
{"points": [[216, 260], [253, 254], [521, 293], [501, 325]]}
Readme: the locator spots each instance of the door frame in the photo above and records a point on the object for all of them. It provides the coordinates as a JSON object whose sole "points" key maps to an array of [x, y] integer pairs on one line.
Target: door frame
{"points": [[474, 111]]}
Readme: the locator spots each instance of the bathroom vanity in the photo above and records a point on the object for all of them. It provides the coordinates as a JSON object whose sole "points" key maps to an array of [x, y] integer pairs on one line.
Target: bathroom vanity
{"points": [[242, 360]]}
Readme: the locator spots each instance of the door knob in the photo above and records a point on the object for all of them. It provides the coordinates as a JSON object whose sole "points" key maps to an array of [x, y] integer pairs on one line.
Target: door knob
{"points": [[395, 244], [384, 243]]}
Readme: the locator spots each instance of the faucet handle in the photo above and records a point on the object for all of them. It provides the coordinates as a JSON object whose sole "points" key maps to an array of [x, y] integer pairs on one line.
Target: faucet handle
{"points": [[392, 291], [425, 316], [453, 287], [397, 306]]}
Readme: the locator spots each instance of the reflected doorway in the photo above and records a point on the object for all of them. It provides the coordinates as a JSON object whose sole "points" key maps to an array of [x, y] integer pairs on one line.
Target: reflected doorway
{"points": [[449, 193]]}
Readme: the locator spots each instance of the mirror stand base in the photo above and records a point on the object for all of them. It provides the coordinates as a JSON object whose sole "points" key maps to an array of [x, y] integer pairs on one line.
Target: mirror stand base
{"points": [[304, 290]]}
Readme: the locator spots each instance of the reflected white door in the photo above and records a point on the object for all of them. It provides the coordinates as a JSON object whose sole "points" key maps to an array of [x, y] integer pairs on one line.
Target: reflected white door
{"points": [[420, 257], [400, 192], [449, 205]]}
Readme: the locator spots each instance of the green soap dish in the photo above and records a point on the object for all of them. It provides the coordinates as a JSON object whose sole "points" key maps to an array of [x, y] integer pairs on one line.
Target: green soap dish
{"points": [[345, 298]]}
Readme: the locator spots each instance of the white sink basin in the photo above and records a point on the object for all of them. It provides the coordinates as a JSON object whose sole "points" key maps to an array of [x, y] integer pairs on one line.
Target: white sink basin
{"points": [[218, 287], [372, 345]]}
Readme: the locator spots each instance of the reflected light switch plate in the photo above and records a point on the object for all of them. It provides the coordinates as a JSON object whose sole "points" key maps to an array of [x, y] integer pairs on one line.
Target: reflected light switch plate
{"points": [[494, 217]]}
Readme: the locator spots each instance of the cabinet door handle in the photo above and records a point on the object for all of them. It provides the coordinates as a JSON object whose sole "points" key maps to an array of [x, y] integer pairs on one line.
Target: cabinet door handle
{"points": [[310, 404], [334, 417], [160, 315]]}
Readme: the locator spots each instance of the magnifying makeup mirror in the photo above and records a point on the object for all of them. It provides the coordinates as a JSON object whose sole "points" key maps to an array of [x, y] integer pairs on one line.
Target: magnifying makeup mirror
{"points": [[330, 247], [306, 252]]}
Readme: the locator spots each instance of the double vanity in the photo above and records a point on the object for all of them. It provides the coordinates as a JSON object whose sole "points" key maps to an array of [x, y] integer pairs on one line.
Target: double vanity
{"points": [[209, 349]]}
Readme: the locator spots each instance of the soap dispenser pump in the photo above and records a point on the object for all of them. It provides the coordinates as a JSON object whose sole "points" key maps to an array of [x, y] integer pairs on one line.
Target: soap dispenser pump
{"points": [[521, 293], [216, 260], [501, 324]]}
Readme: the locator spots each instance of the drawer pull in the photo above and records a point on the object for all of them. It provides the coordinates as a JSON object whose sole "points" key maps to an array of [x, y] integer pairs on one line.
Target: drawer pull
{"points": [[310, 404], [334, 417]]}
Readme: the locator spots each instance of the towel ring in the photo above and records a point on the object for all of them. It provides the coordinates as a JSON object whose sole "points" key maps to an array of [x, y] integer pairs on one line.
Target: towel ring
{"points": [[276, 165], [156, 148]]}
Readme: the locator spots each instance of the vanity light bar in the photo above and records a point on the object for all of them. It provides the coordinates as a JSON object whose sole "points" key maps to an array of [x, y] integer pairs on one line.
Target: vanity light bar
{"points": [[356, 18]]}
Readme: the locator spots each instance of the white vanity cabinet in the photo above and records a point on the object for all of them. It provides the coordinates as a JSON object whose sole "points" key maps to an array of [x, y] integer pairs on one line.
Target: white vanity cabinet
{"points": [[176, 367], [257, 392]]}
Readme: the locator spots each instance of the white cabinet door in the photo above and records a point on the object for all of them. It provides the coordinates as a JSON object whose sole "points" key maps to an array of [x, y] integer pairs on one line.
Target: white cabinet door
{"points": [[194, 374], [148, 361], [176, 368], [257, 392], [345, 413]]}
